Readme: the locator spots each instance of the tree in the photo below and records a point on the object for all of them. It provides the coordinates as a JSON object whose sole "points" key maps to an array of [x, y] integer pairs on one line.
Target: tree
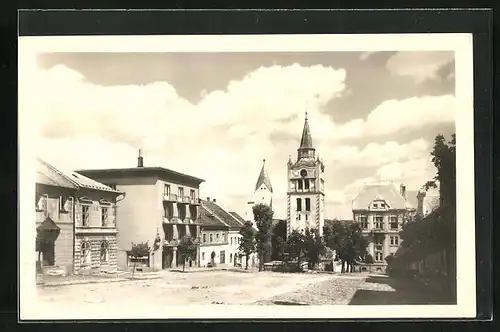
{"points": [[187, 249], [346, 238], [296, 246], [137, 251], [314, 246], [368, 259], [278, 237], [247, 244], [263, 216]]}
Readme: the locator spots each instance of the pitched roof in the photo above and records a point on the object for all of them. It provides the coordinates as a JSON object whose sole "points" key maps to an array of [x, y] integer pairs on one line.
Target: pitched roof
{"points": [[411, 197], [56, 176], [210, 220], [48, 225], [264, 178], [226, 217], [306, 140], [49, 175], [387, 192], [238, 217]]}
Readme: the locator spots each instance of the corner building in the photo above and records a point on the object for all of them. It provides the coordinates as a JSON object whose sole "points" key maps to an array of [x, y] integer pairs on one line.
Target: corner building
{"points": [[306, 187]]}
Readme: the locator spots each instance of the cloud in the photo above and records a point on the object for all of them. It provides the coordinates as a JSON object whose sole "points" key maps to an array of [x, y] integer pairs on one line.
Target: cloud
{"points": [[393, 116], [421, 66], [365, 55], [374, 154]]}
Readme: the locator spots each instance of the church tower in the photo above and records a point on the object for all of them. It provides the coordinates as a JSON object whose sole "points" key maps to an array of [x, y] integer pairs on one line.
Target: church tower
{"points": [[263, 192], [306, 187]]}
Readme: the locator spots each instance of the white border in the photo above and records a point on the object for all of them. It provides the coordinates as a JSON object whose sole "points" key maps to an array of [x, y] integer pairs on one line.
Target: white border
{"points": [[461, 44]]}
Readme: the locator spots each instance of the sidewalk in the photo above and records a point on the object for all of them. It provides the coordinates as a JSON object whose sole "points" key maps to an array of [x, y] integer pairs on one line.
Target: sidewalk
{"points": [[121, 276]]}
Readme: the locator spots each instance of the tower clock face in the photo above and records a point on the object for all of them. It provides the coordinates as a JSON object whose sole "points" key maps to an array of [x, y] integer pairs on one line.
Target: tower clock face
{"points": [[303, 173]]}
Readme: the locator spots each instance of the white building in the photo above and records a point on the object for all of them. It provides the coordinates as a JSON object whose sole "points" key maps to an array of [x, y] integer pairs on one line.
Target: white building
{"points": [[263, 193]]}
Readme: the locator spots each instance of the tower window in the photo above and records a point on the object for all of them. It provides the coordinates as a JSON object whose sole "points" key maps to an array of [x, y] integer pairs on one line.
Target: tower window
{"points": [[308, 204], [306, 184], [299, 204], [300, 184]]}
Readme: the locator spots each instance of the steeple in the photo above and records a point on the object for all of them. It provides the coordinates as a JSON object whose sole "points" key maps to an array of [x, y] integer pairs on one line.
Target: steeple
{"points": [[306, 149], [264, 178]]}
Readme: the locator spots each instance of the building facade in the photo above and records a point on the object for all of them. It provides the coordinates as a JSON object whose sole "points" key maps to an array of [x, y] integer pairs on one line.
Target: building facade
{"points": [[76, 221], [306, 187], [382, 210], [162, 206]]}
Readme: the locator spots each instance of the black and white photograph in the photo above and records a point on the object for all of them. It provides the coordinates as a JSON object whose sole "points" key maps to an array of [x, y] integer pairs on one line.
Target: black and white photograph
{"points": [[243, 176]]}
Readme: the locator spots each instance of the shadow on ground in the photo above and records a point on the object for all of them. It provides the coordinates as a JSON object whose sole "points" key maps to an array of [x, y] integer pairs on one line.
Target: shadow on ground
{"points": [[406, 292]]}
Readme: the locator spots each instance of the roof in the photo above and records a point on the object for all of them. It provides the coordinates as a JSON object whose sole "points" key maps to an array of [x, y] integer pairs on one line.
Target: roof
{"points": [[65, 178], [139, 171], [238, 217], [48, 225], [210, 220], [264, 178], [306, 140], [227, 218], [411, 197], [387, 192], [49, 175]]}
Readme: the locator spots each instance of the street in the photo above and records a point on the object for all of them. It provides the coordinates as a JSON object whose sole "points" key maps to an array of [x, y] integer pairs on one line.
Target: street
{"points": [[237, 288]]}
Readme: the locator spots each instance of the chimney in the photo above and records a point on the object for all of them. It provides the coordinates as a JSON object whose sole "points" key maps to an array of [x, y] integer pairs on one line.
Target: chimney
{"points": [[140, 160], [214, 200], [402, 189], [208, 199]]}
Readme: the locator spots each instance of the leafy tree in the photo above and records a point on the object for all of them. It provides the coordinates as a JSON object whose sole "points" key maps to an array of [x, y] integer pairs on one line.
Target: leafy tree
{"points": [[346, 238], [247, 244], [368, 259], [263, 216], [296, 246], [314, 246], [139, 250], [278, 237], [187, 249]]}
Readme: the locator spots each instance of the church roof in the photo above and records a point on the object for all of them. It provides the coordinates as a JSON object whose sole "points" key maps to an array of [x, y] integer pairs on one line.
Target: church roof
{"points": [[306, 140], [264, 178], [225, 217], [387, 192]]}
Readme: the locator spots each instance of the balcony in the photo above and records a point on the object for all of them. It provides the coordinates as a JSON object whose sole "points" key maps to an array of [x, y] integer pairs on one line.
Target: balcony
{"points": [[194, 201], [170, 197], [378, 230], [184, 199]]}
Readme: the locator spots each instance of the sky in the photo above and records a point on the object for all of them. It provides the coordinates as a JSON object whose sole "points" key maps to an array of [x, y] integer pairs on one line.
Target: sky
{"points": [[373, 116]]}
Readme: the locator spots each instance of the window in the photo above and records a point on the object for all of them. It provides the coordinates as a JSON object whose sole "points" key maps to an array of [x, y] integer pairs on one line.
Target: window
{"points": [[181, 191], [394, 222], [85, 215], [166, 189], [379, 243], [211, 238], [299, 184], [104, 251], [298, 217], [382, 205], [204, 238], [308, 204], [86, 258], [222, 257], [203, 255], [299, 204], [306, 184], [363, 221], [379, 256], [61, 204], [231, 241], [104, 217], [217, 236], [394, 240], [379, 222], [375, 205], [307, 217], [230, 258], [192, 194]]}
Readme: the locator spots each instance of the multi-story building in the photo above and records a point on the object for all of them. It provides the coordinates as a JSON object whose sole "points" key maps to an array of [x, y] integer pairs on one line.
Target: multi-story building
{"points": [[162, 206], [306, 187], [76, 221], [214, 238], [382, 210]]}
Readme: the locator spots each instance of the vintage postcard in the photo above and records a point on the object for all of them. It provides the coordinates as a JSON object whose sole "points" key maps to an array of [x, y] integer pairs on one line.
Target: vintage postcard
{"points": [[213, 177]]}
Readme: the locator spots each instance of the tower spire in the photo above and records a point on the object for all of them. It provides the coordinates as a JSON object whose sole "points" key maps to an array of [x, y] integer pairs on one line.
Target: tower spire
{"points": [[306, 148], [264, 178]]}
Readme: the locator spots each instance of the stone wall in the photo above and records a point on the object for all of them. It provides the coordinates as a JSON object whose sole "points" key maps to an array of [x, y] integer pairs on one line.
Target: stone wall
{"points": [[96, 264]]}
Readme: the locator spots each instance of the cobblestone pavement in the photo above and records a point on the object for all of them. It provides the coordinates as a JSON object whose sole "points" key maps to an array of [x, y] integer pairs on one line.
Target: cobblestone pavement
{"points": [[233, 288]]}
